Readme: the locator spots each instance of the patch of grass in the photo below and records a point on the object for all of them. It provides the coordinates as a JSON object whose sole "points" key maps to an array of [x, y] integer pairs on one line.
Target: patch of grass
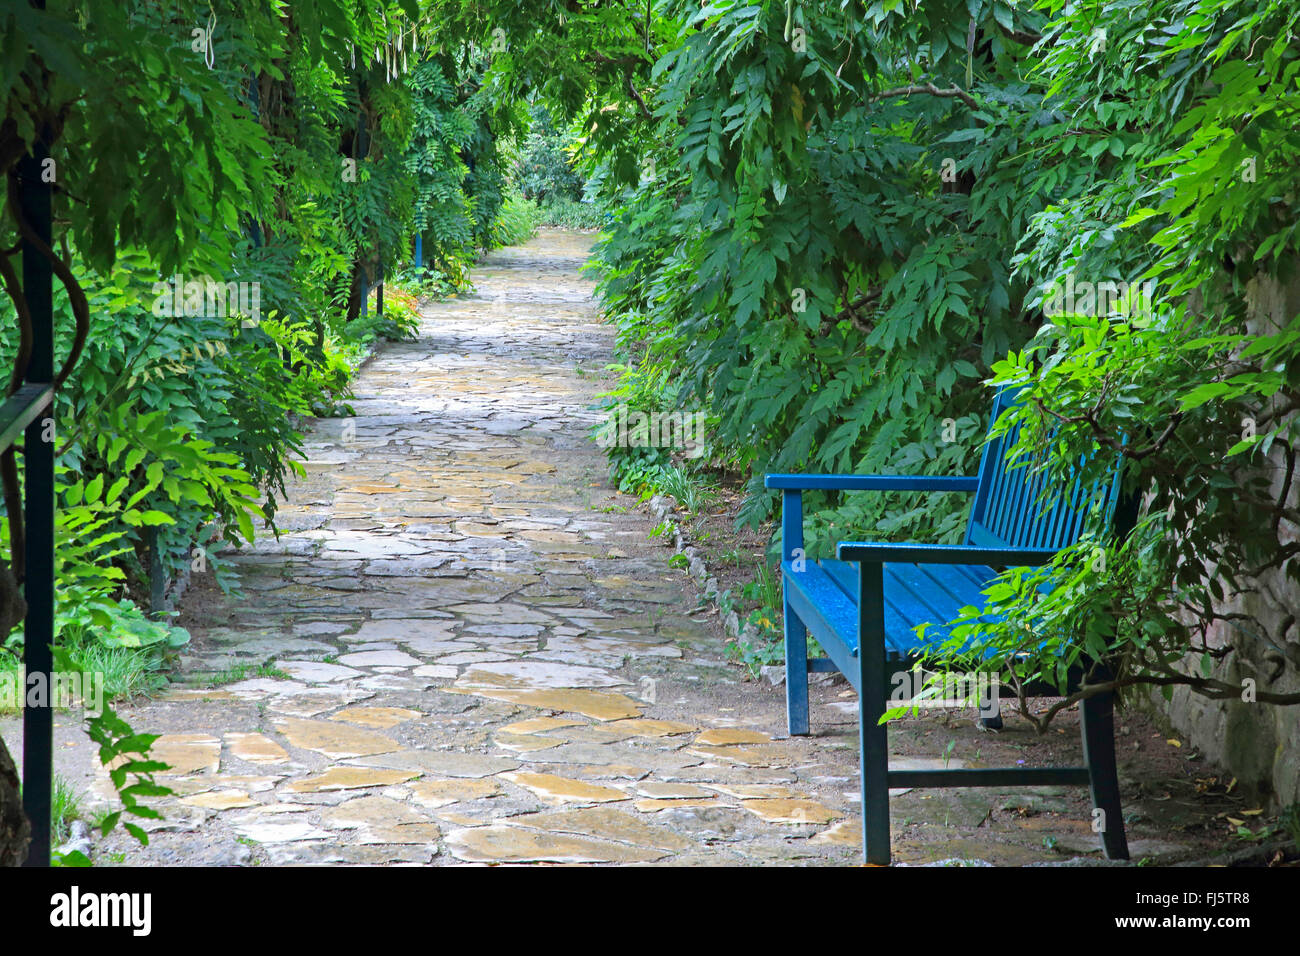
{"points": [[65, 807], [244, 672], [126, 672]]}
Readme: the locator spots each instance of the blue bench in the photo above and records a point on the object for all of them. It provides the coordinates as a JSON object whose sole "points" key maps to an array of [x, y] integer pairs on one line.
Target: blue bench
{"points": [[863, 608]]}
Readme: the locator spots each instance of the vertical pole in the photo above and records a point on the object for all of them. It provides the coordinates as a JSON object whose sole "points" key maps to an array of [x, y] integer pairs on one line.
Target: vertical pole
{"points": [[419, 251], [38, 509], [1097, 722], [796, 634], [157, 574], [874, 738], [379, 292]]}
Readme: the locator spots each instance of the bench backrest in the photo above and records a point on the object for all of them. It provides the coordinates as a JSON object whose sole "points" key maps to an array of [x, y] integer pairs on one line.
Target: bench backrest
{"points": [[1015, 508]]}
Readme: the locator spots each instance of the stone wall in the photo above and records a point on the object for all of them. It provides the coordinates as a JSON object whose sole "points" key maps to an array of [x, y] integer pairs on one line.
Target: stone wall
{"points": [[1259, 744]]}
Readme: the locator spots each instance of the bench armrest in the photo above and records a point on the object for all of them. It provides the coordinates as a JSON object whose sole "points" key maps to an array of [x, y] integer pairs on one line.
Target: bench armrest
{"points": [[871, 482], [879, 552]]}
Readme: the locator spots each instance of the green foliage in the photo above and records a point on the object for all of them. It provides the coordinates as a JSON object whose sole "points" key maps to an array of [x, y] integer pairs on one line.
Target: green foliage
{"points": [[544, 169], [841, 229], [516, 222], [572, 214]]}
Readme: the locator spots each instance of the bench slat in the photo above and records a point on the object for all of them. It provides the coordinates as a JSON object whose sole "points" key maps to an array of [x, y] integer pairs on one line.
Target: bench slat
{"points": [[916, 594]]}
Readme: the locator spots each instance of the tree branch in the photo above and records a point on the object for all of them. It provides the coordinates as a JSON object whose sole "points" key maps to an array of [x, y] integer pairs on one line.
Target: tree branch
{"points": [[932, 90]]}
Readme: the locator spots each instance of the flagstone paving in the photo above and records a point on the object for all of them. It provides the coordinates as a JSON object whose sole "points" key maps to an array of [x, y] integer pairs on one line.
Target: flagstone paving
{"points": [[485, 658]]}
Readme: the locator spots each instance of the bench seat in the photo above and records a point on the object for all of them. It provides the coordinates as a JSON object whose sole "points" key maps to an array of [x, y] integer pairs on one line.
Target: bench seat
{"points": [[914, 594]]}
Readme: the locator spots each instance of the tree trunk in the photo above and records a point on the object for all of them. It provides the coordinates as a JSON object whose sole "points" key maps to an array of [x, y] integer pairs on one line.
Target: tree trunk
{"points": [[15, 831]]}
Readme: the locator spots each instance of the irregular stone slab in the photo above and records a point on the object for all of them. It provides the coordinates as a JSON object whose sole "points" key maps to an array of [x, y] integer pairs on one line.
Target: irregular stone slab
{"points": [[316, 671], [512, 631], [262, 687], [402, 630], [263, 648], [252, 784], [463, 657], [653, 805], [715, 773], [612, 771], [187, 753], [535, 725], [507, 844], [278, 832], [756, 791], [349, 778], [431, 647], [614, 754], [255, 748], [500, 613], [609, 648], [525, 743], [532, 674], [264, 809], [604, 823], [555, 789], [439, 793], [436, 671], [191, 694], [379, 659], [599, 705], [791, 811], [324, 697], [381, 820], [845, 833], [377, 717], [726, 737], [442, 763], [745, 756], [644, 727], [388, 680], [319, 628], [589, 734], [672, 791], [220, 800], [334, 739]]}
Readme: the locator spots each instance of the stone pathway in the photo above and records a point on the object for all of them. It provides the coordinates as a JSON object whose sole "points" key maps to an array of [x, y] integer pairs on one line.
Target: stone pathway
{"points": [[481, 656], [485, 657]]}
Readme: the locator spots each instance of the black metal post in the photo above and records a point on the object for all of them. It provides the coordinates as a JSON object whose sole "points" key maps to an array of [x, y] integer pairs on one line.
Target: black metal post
{"points": [[38, 467], [157, 574], [872, 691]]}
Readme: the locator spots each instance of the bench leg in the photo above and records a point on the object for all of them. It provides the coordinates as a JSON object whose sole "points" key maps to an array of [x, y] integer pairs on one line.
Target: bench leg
{"points": [[796, 673], [1098, 725], [873, 735], [990, 710]]}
